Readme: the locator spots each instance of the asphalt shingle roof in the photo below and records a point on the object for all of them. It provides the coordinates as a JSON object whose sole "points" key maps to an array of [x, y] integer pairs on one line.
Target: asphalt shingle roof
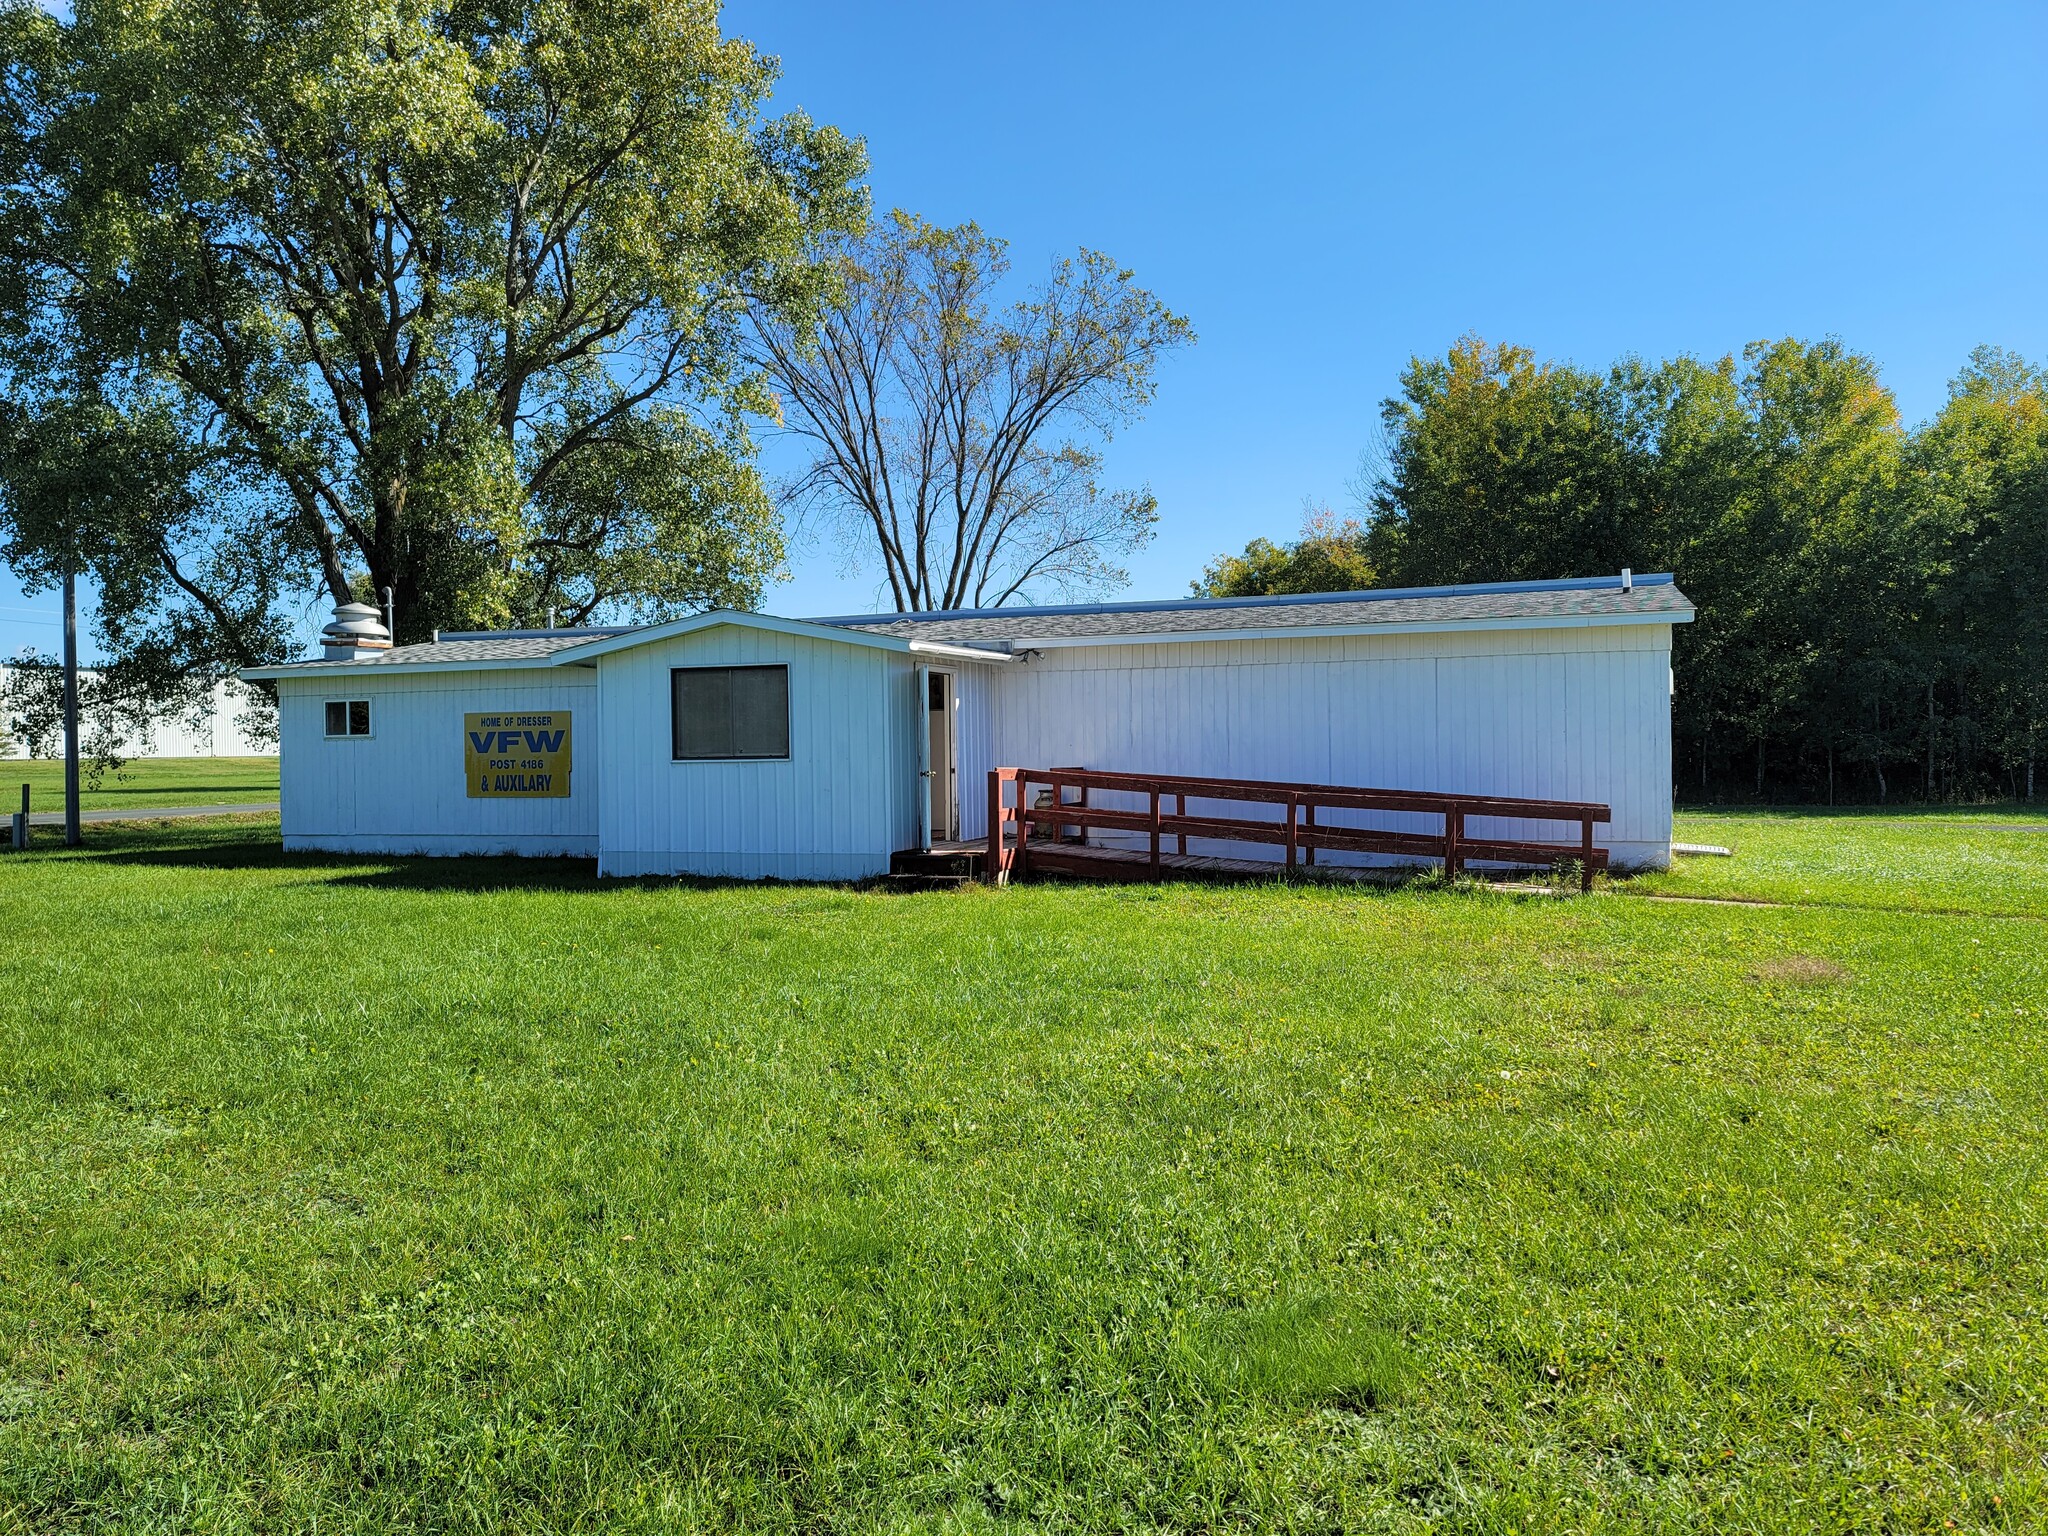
{"points": [[1652, 598], [515, 645]]}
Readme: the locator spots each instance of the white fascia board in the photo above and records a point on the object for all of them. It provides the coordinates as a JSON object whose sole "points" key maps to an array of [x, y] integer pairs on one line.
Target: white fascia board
{"points": [[1345, 631], [960, 652], [582, 654], [334, 669]]}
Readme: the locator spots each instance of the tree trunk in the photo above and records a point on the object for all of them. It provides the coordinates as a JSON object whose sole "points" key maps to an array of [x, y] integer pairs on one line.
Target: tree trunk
{"points": [[1952, 777], [1930, 741]]}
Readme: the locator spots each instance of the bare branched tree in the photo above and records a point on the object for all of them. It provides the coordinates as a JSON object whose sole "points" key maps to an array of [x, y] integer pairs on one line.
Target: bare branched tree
{"points": [[965, 442]]}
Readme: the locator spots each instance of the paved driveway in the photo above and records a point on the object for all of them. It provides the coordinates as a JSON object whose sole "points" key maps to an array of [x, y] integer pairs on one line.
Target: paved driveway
{"points": [[147, 813]]}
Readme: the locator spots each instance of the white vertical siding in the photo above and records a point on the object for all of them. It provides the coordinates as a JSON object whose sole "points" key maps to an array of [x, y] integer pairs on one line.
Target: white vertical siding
{"points": [[401, 789], [903, 720], [219, 730], [833, 810], [979, 692], [1577, 714], [1566, 714]]}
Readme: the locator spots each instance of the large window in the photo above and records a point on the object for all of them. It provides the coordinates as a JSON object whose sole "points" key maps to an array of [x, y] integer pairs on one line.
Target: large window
{"points": [[348, 717], [730, 712]]}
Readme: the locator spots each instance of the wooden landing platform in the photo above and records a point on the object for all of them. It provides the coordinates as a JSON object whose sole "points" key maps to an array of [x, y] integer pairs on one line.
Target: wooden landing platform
{"points": [[954, 863]]}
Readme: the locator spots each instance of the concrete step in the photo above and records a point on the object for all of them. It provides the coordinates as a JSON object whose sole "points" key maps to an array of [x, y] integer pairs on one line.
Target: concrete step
{"points": [[926, 882], [947, 863]]}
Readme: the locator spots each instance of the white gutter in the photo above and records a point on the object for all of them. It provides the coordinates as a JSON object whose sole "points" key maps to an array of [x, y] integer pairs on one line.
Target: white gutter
{"points": [[959, 652]]}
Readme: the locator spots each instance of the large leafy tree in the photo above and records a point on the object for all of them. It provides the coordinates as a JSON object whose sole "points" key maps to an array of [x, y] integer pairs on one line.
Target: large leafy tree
{"points": [[190, 579], [1812, 574], [959, 436], [1981, 474], [1500, 467], [441, 296]]}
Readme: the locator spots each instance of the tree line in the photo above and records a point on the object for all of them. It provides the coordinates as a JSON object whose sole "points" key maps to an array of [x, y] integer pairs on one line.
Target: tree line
{"points": [[1873, 597]]}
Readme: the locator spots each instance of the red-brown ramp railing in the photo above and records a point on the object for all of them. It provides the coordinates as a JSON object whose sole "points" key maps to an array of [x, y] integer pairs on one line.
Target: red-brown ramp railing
{"points": [[1012, 815]]}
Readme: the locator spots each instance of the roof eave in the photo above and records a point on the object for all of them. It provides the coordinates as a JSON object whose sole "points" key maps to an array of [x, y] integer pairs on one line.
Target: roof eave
{"points": [[1613, 583]]}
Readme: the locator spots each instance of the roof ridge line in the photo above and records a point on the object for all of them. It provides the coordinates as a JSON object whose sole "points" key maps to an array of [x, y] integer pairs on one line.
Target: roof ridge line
{"points": [[1279, 600], [579, 632]]}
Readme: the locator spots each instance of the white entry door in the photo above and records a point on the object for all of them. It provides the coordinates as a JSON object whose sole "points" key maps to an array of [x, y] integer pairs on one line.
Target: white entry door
{"points": [[940, 757]]}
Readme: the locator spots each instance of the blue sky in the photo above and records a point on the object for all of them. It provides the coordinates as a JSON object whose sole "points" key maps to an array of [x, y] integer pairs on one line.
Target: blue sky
{"points": [[1326, 190]]}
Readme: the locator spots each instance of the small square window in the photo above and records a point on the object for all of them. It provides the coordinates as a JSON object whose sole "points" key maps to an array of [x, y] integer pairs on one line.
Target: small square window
{"points": [[348, 717]]}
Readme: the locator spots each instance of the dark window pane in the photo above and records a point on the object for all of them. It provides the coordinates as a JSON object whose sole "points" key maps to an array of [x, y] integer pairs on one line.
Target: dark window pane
{"points": [[337, 718], [760, 712], [359, 717], [703, 712], [731, 711]]}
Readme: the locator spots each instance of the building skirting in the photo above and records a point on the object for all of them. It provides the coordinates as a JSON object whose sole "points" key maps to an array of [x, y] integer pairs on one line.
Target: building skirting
{"points": [[431, 845]]}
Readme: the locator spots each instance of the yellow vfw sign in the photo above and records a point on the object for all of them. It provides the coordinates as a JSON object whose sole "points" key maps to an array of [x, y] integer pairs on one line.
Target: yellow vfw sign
{"points": [[517, 757]]}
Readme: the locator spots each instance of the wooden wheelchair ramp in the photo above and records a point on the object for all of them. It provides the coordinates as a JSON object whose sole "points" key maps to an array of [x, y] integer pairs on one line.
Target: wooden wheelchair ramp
{"points": [[1133, 826]]}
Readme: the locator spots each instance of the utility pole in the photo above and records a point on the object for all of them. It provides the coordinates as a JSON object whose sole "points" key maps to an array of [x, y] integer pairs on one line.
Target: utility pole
{"points": [[72, 836]]}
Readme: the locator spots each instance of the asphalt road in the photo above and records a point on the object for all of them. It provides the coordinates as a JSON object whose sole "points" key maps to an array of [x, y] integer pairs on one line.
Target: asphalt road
{"points": [[148, 813]]}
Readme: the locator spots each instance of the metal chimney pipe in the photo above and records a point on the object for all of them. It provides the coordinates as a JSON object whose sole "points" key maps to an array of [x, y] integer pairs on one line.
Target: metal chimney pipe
{"points": [[355, 633]]}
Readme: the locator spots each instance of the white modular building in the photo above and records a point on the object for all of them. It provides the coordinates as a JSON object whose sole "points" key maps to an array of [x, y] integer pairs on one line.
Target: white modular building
{"points": [[230, 723], [740, 744]]}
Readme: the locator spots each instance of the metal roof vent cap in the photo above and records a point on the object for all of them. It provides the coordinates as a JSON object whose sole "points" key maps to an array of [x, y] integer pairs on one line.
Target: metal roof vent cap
{"points": [[357, 632]]}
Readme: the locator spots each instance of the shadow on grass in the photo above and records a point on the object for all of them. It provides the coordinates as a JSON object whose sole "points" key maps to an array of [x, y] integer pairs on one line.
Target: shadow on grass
{"points": [[251, 845]]}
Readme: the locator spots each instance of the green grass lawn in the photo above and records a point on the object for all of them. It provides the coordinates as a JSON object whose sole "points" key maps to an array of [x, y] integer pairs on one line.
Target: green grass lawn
{"points": [[474, 1195], [1959, 859], [144, 782]]}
